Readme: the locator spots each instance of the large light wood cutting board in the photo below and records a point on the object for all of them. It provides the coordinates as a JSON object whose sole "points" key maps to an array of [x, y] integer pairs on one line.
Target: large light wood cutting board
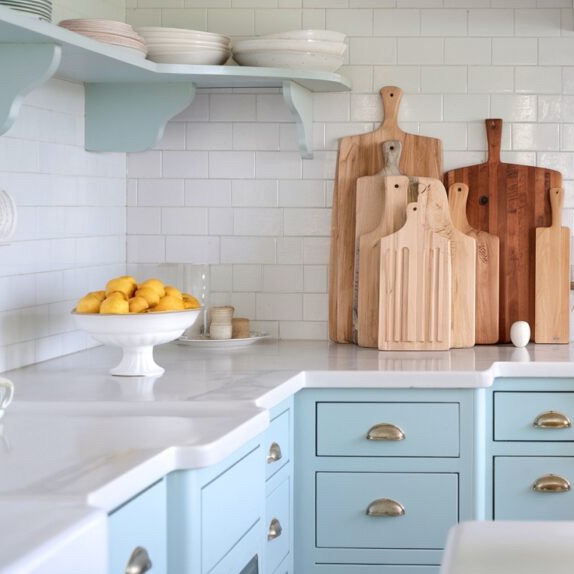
{"points": [[415, 285], [361, 155], [509, 200], [487, 262], [552, 318]]}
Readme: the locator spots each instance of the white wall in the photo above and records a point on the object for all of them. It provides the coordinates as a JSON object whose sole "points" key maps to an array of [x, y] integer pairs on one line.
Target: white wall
{"points": [[228, 187]]}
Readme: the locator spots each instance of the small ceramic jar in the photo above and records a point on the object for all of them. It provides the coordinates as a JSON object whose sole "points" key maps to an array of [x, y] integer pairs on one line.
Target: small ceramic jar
{"points": [[220, 326]]}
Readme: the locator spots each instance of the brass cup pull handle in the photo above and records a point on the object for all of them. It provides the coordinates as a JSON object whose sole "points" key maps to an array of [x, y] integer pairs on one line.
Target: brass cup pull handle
{"points": [[139, 561], [385, 507], [551, 420], [551, 483], [275, 529], [274, 453], [385, 431]]}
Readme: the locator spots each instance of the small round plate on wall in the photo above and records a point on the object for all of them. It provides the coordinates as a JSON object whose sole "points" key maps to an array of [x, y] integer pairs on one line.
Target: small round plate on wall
{"points": [[7, 216]]}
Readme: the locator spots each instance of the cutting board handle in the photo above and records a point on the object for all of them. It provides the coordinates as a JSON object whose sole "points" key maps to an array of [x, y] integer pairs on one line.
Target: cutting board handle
{"points": [[391, 157], [494, 138], [391, 96], [557, 203]]}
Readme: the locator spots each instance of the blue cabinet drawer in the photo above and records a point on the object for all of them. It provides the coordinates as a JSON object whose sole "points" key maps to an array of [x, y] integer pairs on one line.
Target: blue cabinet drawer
{"points": [[278, 443], [230, 505], [533, 416], [142, 521], [514, 495], [278, 521], [428, 429], [430, 502]]}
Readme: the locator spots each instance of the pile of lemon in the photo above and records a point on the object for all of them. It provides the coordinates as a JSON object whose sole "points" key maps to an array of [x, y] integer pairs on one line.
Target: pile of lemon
{"points": [[124, 295]]}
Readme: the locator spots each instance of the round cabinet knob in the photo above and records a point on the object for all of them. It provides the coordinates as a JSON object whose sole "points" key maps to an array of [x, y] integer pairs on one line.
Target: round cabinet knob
{"points": [[139, 561], [275, 529], [274, 453]]}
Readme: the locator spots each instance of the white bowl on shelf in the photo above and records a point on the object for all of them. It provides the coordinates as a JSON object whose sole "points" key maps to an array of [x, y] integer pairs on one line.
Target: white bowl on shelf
{"points": [[290, 45], [136, 334], [292, 60], [203, 56], [327, 35], [159, 32]]}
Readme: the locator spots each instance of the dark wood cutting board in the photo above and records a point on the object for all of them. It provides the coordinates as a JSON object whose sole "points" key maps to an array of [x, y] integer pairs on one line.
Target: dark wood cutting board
{"points": [[361, 155], [510, 201]]}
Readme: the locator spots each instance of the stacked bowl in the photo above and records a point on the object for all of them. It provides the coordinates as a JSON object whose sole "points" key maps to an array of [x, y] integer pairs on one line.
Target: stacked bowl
{"points": [[41, 9], [302, 49], [181, 46], [108, 31]]}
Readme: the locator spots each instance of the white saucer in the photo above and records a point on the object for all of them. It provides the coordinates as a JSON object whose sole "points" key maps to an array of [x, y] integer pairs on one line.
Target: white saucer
{"points": [[207, 343]]}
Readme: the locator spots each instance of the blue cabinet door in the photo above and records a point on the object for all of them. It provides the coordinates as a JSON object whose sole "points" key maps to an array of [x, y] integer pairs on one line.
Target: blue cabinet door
{"points": [[140, 522]]}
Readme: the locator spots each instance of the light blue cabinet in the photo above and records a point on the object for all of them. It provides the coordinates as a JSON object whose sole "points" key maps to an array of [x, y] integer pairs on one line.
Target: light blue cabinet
{"points": [[529, 449], [137, 532], [380, 476]]}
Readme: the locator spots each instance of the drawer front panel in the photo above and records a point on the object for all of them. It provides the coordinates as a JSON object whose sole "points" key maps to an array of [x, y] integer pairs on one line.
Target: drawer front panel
{"points": [[278, 444], [430, 502], [515, 413], [231, 504], [430, 429], [278, 509], [514, 497]]}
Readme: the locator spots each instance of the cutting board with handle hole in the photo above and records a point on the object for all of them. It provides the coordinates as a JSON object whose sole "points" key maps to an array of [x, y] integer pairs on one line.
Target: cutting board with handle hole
{"points": [[381, 207], [487, 262], [509, 201], [361, 155], [552, 301], [415, 285]]}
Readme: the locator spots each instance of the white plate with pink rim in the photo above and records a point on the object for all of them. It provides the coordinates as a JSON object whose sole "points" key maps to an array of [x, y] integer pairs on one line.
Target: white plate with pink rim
{"points": [[204, 342]]}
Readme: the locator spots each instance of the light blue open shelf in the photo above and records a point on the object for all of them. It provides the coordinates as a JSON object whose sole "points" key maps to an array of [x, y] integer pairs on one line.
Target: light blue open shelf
{"points": [[129, 99]]}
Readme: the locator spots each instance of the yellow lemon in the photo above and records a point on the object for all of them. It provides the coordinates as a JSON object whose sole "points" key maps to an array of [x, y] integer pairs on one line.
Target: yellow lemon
{"points": [[155, 284], [138, 304], [88, 304], [174, 291], [115, 305], [101, 295], [130, 278], [169, 303], [190, 302], [122, 285], [149, 294]]}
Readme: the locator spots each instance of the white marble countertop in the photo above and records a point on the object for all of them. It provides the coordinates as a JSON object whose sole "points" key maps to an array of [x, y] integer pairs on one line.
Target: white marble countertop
{"points": [[77, 436]]}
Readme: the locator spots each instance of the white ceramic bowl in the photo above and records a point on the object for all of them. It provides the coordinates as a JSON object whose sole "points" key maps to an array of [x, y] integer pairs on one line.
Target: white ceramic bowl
{"points": [[297, 60], [185, 44], [137, 334], [327, 35], [190, 57], [286, 45], [155, 32]]}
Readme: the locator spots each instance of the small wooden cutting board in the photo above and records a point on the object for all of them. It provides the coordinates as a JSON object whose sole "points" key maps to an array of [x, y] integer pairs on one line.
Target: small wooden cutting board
{"points": [[487, 262], [552, 298]]}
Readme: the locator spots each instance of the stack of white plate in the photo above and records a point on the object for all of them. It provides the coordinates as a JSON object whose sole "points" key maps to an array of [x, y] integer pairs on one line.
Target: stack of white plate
{"points": [[109, 31], [181, 46], [303, 49], [37, 8]]}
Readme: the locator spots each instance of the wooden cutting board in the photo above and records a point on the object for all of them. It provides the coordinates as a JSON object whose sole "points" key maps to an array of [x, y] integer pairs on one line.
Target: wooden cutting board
{"points": [[415, 285], [509, 200], [487, 262], [381, 204], [463, 265], [361, 155], [553, 276]]}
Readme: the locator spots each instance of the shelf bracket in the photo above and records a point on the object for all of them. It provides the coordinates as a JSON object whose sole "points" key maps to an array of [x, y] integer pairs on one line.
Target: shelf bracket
{"points": [[24, 67], [300, 102], [129, 117]]}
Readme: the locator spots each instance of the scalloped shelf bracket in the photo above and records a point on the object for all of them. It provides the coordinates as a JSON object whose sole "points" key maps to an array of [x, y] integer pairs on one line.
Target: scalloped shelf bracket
{"points": [[24, 67], [300, 102], [130, 117]]}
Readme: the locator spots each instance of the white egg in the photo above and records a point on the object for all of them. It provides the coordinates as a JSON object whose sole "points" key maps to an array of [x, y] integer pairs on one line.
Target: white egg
{"points": [[520, 333]]}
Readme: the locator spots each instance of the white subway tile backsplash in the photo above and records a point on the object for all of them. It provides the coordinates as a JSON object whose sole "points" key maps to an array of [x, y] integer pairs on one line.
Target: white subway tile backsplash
{"points": [[278, 306], [444, 22], [421, 51], [208, 135], [160, 192], [490, 22], [515, 51], [220, 221], [465, 108], [269, 164], [258, 136], [273, 19], [364, 51], [282, 278], [357, 22], [396, 23], [247, 250], [184, 221], [192, 249], [514, 108], [491, 79], [232, 107], [534, 80], [301, 193], [537, 22], [290, 250], [307, 222], [231, 164], [257, 221], [468, 51], [315, 278], [247, 278], [315, 307], [258, 193], [144, 164], [536, 137], [303, 330], [207, 192], [444, 79]]}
